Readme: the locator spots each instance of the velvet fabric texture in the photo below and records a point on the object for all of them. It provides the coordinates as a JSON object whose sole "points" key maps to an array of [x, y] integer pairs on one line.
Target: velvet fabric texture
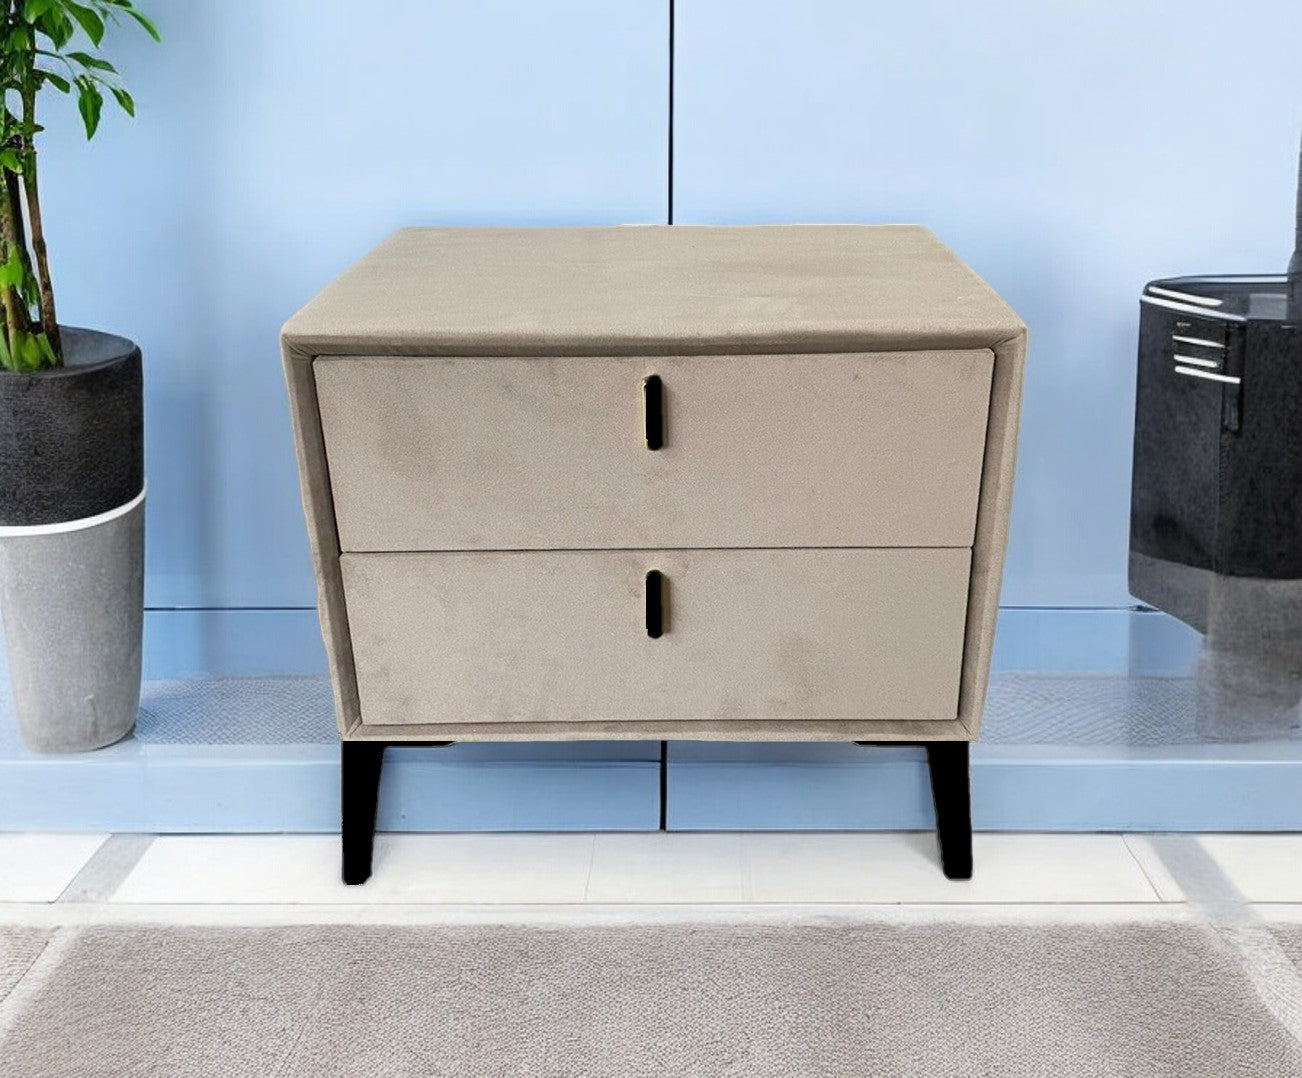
{"points": [[677, 292]]}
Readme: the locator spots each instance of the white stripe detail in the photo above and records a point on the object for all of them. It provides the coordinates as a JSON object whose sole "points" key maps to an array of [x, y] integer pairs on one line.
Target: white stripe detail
{"points": [[34, 978], [1269, 278], [1213, 898], [1194, 361], [1197, 341], [1228, 378], [1186, 297], [1202, 311], [14, 531]]}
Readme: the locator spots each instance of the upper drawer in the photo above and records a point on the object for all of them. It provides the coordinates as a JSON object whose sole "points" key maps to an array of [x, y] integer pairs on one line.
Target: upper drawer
{"points": [[879, 449]]}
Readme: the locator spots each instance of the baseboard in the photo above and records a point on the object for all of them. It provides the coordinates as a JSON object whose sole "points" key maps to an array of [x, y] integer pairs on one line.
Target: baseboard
{"points": [[1014, 788], [296, 788], [274, 788]]}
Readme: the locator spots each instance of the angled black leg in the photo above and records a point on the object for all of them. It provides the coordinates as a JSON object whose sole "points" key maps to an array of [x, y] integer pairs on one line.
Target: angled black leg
{"points": [[360, 763], [947, 761]]}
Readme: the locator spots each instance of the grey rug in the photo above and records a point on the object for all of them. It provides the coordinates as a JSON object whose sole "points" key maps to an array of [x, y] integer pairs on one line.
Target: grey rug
{"points": [[19, 948], [838, 999]]}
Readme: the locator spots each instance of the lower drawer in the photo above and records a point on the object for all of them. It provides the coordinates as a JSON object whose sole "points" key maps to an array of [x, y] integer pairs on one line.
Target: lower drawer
{"points": [[562, 636]]}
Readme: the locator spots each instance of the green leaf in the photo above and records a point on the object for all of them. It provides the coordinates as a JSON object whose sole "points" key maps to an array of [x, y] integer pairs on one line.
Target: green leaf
{"points": [[87, 19], [19, 39], [124, 99], [47, 350], [90, 102], [144, 21], [11, 272], [29, 352], [58, 28], [30, 290], [92, 62], [11, 160], [34, 9], [57, 81]]}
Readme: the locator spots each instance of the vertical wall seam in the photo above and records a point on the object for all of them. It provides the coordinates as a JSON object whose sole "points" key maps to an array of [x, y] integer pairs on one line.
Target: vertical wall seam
{"points": [[670, 177]]}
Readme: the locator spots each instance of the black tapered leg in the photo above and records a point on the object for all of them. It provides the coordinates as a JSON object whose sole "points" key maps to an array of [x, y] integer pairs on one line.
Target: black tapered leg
{"points": [[947, 761], [360, 763]]}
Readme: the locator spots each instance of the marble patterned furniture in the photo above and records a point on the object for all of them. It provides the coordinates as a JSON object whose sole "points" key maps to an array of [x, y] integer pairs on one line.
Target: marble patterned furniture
{"points": [[728, 483]]}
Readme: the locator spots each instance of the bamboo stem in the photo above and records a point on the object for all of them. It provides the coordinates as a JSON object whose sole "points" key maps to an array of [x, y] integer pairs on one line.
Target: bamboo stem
{"points": [[8, 296], [49, 321], [9, 360]]}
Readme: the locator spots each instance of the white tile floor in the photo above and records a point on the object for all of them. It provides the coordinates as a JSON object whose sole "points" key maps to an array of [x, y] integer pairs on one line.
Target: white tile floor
{"points": [[643, 869], [37, 868], [1266, 868], [648, 869]]}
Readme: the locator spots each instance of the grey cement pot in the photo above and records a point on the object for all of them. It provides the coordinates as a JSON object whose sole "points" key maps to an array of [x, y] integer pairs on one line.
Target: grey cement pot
{"points": [[72, 542]]}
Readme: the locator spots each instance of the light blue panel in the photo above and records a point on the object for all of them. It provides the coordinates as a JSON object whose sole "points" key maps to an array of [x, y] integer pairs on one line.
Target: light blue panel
{"points": [[421, 792], [271, 788], [232, 643], [844, 788], [796, 787], [276, 143], [1142, 643], [1069, 151], [1217, 788]]}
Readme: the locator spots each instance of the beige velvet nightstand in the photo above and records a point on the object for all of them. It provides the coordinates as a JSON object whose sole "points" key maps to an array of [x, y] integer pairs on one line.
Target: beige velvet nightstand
{"points": [[657, 483]]}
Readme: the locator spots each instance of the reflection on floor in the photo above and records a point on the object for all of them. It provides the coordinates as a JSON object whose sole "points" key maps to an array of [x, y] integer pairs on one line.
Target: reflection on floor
{"points": [[1021, 709]]}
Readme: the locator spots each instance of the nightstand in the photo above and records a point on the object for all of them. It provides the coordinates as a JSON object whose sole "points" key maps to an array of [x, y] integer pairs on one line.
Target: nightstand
{"points": [[657, 483]]}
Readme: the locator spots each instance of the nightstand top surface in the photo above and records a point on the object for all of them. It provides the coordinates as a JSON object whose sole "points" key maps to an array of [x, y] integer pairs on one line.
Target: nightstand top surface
{"points": [[653, 289]]}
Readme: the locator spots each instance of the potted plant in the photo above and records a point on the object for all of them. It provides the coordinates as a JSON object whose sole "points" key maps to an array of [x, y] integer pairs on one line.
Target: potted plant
{"points": [[71, 419]]}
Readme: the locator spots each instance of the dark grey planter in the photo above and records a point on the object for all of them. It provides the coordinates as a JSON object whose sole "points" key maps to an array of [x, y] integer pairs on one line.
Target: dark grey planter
{"points": [[72, 542]]}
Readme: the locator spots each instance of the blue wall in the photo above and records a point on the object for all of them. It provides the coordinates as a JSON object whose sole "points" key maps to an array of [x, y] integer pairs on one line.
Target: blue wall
{"points": [[1069, 150]]}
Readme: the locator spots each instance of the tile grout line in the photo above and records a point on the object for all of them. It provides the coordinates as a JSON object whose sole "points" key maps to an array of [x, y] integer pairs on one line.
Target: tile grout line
{"points": [[35, 976], [46, 915], [107, 868], [592, 860], [747, 870], [1215, 901], [1143, 868]]}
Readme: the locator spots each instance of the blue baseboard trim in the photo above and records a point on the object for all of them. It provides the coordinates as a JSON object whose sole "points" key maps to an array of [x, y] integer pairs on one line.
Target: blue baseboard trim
{"points": [[273, 788], [1014, 788], [252, 642]]}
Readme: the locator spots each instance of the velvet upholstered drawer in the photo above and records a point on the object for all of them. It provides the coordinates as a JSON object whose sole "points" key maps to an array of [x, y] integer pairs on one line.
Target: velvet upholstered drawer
{"points": [[746, 635], [855, 450]]}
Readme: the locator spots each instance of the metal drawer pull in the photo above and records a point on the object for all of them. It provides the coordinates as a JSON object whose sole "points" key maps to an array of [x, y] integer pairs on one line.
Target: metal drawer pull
{"points": [[656, 587], [653, 412]]}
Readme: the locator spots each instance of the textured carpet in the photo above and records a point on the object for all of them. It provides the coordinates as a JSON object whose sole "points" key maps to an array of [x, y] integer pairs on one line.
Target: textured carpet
{"points": [[19, 948], [1290, 937], [839, 999]]}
